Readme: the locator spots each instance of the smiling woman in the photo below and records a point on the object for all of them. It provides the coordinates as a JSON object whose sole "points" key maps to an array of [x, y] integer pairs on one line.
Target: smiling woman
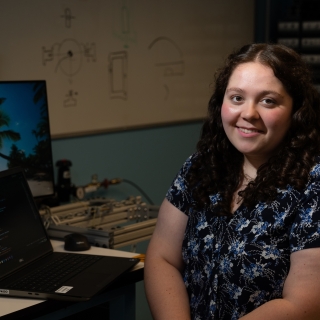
{"points": [[256, 113], [241, 219]]}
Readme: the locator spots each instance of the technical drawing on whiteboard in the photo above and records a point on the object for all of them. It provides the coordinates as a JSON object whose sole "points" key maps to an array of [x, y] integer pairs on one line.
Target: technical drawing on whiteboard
{"points": [[70, 101], [124, 30], [118, 66], [69, 55], [169, 58], [67, 17]]}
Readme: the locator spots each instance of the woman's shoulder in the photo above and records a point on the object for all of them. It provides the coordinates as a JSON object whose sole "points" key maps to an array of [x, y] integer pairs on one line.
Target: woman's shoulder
{"points": [[315, 170], [190, 160]]}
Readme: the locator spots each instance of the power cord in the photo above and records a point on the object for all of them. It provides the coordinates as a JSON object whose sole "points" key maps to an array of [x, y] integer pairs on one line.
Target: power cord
{"points": [[138, 188]]}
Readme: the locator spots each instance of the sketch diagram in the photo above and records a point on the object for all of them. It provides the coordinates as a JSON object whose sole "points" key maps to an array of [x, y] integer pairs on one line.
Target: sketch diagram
{"points": [[123, 29], [71, 100], [69, 55], [67, 17], [118, 68], [168, 57]]}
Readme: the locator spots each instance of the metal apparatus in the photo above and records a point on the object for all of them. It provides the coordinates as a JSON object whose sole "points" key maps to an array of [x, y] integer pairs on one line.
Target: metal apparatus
{"points": [[106, 223]]}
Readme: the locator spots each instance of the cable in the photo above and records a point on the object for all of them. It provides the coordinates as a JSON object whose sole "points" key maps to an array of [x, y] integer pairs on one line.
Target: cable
{"points": [[137, 187]]}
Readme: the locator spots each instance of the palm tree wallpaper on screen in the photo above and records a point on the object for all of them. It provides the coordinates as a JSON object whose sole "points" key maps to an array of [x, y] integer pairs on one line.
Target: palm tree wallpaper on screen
{"points": [[25, 133], [6, 134]]}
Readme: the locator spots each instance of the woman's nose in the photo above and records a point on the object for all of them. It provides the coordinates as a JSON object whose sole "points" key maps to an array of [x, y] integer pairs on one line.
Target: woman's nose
{"points": [[249, 111]]}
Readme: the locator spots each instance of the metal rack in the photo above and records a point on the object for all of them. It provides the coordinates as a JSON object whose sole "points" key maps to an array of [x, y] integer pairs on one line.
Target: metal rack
{"points": [[106, 223]]}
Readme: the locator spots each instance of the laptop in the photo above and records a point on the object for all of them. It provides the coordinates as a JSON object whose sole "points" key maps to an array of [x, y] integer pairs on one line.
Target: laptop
{"points": [[25, 249]]}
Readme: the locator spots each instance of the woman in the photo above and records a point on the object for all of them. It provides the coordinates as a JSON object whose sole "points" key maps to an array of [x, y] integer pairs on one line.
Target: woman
{"points": [[238, 233]]}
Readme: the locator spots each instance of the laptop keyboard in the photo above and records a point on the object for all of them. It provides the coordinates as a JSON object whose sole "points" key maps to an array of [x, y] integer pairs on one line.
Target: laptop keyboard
{"points": [[53, 275]]}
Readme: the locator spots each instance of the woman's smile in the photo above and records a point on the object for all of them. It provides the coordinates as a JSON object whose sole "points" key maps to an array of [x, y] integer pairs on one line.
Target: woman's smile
{"points": [[248, 131]]}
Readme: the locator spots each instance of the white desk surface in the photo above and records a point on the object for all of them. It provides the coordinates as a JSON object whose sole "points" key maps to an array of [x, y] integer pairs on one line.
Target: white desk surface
{"points": [[9, 305]]}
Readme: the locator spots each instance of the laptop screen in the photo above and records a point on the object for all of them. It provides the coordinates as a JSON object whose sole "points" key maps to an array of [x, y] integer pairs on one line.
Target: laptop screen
{"points": [[22, 234]]}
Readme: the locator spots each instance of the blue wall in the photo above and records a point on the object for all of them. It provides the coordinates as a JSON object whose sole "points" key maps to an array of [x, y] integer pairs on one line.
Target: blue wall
{"points": [[150, 158]]}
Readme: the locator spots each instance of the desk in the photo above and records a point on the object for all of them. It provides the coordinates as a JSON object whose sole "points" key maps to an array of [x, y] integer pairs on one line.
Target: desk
{"points": [[121, 295]]}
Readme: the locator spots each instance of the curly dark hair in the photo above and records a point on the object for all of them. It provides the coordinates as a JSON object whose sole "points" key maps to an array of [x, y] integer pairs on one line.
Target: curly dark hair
{"points": [[218, 164]]}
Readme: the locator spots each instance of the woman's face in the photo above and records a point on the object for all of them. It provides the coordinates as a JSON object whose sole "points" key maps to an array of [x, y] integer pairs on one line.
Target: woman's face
{"points": [[256, 111]]}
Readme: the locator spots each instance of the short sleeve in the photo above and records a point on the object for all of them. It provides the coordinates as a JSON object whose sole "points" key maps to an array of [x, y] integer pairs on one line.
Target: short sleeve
{"points": [[305, 230], [179, 193]]}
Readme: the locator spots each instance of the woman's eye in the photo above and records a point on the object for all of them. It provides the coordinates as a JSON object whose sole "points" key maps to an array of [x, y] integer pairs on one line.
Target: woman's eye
{"points": [[236, 98], [268, 101]]}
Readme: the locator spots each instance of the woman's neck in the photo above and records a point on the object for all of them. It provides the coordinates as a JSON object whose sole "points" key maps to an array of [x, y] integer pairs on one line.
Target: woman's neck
{"points": [[249, 170]]}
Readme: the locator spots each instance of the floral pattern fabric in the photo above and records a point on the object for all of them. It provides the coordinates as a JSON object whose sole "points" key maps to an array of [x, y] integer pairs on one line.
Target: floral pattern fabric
{"points": [[235, 264]]}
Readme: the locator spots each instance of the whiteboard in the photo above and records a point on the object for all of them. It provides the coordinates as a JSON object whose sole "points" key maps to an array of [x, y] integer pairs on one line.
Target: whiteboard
{"points": [[120, 64]]}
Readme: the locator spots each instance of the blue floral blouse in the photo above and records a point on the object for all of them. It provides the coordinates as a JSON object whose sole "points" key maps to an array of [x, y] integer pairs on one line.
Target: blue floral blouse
{"points": [[235, 264]]}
